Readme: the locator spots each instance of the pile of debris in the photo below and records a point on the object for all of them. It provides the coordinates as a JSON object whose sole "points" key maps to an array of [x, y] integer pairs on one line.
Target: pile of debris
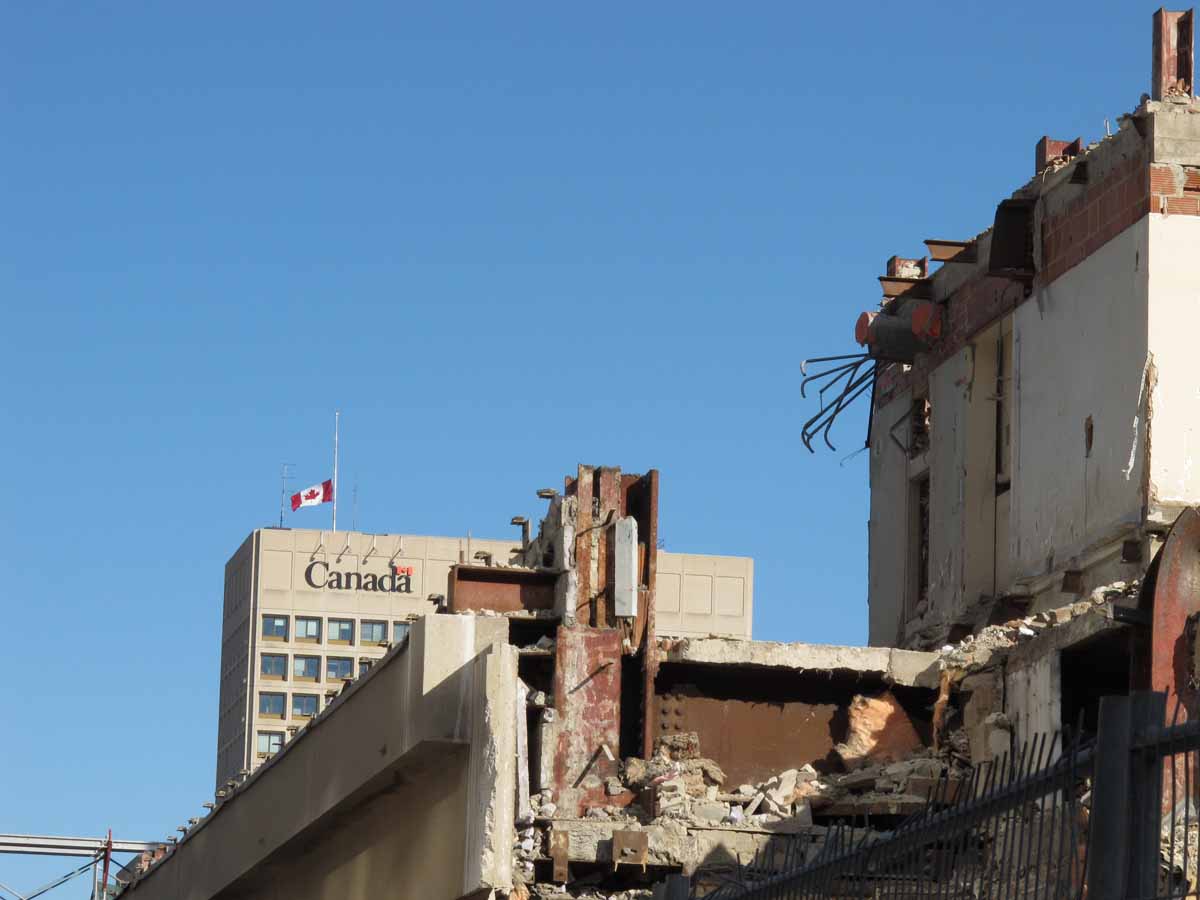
{"points": [[976, 651], [895, 776]]}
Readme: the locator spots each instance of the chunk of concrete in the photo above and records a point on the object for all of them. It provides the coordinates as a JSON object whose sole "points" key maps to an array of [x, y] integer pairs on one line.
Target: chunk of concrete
{"points": [[784, 784]]}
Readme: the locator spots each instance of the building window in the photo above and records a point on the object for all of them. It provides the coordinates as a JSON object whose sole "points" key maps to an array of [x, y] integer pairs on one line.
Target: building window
{"points": [[308, 629], [919, 429], [364, 666], [270, 705], [918, 547], [274, 628], [306, 668], [341, 631], [374, 632], [400, 631], [304, 706], [338, 668], [274, 665], [269, 742]]}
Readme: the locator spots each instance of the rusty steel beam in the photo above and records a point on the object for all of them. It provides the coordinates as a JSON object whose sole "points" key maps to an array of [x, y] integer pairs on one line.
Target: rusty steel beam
{"points": [[499, 589], [915, 288], [951, 251], [587, 699], [752, 740]]}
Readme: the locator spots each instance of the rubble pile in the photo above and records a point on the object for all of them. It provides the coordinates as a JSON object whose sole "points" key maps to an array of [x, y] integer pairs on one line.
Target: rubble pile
{"points": [[977, 650], [678, 783]]}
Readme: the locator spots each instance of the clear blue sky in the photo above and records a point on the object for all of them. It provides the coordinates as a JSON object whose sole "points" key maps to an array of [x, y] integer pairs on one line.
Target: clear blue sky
{"points": [[504, 240]]}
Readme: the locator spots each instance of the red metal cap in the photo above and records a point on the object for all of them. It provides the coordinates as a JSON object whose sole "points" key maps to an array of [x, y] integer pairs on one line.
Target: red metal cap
{"points": [[862, 328]]}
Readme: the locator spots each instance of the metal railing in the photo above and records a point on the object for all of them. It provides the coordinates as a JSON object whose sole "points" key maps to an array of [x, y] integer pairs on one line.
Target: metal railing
{"points": [[1013, 828], [1144, 822], [1114, 819]]}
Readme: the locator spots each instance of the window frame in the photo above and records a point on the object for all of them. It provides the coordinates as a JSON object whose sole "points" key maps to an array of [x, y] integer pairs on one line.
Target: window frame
{"points": [[329, 676], [263, 695], [267, 676], [274, 637], [271, 737], [316, 703], [398, 637], [362, 631], [329, 623], [309, 639], [315, 679]]}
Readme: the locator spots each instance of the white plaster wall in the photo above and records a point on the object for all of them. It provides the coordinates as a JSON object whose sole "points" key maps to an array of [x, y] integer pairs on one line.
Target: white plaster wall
{"points": [[1174, 339], [1033, 698], [1080, 349], [887, 528], [948, 386]]}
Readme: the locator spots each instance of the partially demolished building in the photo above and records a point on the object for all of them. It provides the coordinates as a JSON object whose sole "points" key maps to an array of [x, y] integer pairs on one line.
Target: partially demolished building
{"points": [[1033, 547]]}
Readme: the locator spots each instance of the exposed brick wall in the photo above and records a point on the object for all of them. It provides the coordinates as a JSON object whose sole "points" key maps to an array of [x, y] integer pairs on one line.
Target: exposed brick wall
{"points": [[1100, 212], [1175, 190], [973, 307]]}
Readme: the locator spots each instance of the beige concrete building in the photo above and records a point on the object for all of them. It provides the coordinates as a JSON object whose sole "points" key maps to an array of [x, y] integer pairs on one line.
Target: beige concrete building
{"points": [[308, 611]]}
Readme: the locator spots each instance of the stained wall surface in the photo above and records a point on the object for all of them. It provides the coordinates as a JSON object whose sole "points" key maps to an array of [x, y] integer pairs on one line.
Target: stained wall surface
{"points": [[1080, 348], [888, 527]]}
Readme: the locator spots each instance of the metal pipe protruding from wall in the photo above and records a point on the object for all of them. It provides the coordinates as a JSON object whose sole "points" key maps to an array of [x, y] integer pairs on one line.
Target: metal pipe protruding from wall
{"points": [[901, 336]]}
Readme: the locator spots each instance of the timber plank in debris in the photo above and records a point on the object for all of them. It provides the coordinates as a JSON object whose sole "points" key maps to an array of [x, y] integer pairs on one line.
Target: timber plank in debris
{"points": [[560, 849]]}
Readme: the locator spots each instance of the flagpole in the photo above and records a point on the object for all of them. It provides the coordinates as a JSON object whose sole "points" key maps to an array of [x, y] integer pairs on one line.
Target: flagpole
{"points": [[336, 415], [284, 475]]}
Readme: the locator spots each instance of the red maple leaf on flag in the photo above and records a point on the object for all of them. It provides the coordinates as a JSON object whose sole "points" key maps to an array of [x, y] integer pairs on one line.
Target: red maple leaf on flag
{"points": [[311, 495]]}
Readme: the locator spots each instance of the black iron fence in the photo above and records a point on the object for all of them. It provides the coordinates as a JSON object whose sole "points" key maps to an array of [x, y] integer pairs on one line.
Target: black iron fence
{"points": [[1112, 819]]}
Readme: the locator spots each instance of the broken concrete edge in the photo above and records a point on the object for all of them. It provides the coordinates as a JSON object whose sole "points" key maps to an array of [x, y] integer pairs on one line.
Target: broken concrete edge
{"points": [[907, 668], [1033, 636]]}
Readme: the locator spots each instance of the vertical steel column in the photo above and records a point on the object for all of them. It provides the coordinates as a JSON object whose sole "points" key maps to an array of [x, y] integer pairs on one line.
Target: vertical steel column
{"points": [[1108, 846], [1145, 793]]}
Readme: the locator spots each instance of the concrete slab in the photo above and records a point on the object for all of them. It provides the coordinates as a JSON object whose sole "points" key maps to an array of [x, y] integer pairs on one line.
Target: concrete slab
{"points": [[908, 668]]}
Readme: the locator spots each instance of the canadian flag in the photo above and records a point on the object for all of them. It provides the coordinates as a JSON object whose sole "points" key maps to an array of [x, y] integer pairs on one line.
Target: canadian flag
{"points": [[313, 496]]}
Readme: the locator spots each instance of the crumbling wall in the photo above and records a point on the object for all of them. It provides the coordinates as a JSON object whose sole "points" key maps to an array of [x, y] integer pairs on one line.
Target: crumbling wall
{"points": [[887, 528], [1080, 356], [948, 387], [757, 722]]}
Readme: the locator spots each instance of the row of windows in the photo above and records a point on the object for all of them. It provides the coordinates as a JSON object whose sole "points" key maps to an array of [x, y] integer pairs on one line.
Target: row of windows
{"points": [[274, 706], [338, 631], [274, 667]]}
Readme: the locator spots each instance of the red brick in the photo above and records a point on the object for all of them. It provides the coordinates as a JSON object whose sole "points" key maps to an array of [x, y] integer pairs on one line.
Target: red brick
{"points": [[1192, 180], [1162, 180], [1182, 206]]}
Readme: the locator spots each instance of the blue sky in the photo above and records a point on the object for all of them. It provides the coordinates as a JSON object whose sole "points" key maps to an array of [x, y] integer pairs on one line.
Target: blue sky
{"points": [[503, 240]]}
